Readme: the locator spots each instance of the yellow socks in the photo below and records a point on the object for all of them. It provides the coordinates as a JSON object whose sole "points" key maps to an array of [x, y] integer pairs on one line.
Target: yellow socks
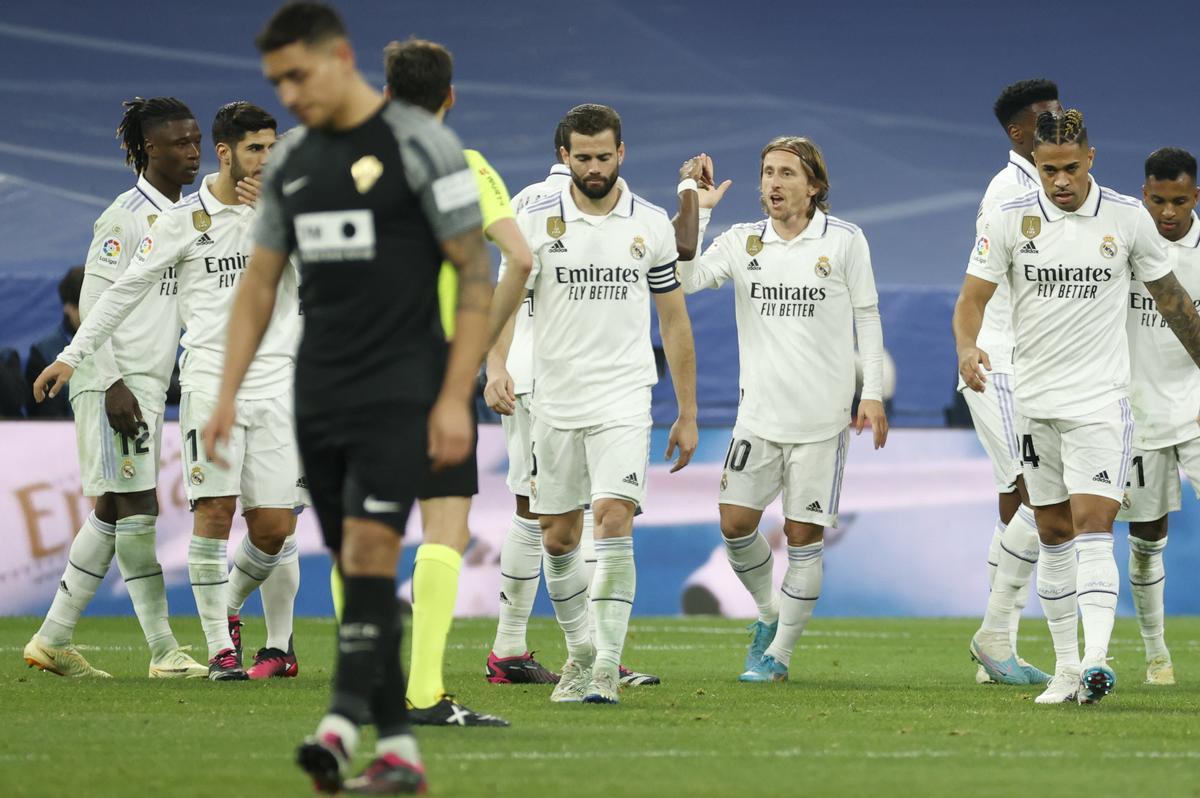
{"points": [[435, 590], [337, 590]]}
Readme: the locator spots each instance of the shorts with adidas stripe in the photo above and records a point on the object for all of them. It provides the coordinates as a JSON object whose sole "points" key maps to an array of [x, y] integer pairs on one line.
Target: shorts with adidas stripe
{"points": [[1152, 486], [809, 475], [573, 467], [1088, 454]]}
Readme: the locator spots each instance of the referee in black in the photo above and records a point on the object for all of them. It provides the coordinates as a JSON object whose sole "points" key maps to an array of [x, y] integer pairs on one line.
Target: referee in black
{"points": [[369, 196]]}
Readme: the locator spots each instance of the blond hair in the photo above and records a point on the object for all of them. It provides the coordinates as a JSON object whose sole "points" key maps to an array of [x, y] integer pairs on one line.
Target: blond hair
{"points": [[813, 162]]}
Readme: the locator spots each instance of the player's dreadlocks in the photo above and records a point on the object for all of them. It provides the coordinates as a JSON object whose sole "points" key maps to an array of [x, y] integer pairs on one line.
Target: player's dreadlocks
{"points": [[142, 116], [1065, 128]]}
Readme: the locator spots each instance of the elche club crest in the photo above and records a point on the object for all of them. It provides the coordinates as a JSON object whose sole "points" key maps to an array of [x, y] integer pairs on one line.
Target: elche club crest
{"points": [[1108, 247], [638, 248], [823, 269]]}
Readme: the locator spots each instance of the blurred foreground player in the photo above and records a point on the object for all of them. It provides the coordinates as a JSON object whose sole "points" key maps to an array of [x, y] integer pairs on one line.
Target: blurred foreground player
{"points": [[1163, 395], [118, 396], [369, 196], [1066, 252]]}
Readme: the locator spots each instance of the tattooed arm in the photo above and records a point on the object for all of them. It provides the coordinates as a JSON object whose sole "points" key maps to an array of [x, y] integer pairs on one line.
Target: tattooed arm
{"points": [[1177, 308]]}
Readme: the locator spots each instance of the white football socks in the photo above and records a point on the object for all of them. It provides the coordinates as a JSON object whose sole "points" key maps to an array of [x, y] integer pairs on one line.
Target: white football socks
{"points": [[567, 587], [1096, 588], [251, 567], [1147, 578], [751, 559], [1056, 578], [88, 559], [1018, 553], [993, 555], [797, 597], [587, 544], [143, 577], [612, 593], [520, 572], [279, 596], [208, 570]]}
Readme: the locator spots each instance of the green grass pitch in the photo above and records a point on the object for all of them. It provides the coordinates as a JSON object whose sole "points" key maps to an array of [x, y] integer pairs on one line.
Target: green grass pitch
{"points": [[875, 708]]}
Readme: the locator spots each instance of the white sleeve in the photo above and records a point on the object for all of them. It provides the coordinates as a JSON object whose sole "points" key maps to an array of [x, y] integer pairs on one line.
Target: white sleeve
{"points": [[869, 330], [860, 277], [157, 251], [112, 247], [712, 267], [103, 358], [1150, 258], [991, 257]]}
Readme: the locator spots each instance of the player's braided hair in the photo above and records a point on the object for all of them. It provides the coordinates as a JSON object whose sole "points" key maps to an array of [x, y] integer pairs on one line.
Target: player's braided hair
{"points": [[140, 117], [1064, 128]]}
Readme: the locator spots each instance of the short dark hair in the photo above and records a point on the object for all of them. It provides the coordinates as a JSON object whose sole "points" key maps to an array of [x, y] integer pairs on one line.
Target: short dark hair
{"points": [[70, 286], [1064, 128], [562, 137], [142, 116], [309, 23], [1168, 163], [591, 119], [234, 120], [419, 72], [1020, 95]]}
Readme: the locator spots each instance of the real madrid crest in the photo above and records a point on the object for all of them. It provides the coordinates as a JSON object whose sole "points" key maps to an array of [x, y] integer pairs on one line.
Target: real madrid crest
{"points": [[823, 269], [754, 245], [197, 475], [1108, 247], [366, 171], [127, 469], [201, 220], [555, 227], [1031, 226], [533, 488], [638, 248], [724, 481]]}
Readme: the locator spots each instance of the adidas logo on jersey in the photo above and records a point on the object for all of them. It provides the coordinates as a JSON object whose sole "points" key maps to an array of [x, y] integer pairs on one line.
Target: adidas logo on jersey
{"points": [[558, 246], [1029, 249], [631, 479], [204, 240], [753, 266], [1102, 477], [815, 507]]}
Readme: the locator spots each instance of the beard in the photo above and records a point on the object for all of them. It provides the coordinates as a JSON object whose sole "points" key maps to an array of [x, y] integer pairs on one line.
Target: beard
{"points": [[237, 171], [596, 192]]}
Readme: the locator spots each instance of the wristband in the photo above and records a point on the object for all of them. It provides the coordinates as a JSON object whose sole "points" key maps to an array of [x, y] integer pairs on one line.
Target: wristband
{"points": [[687, 184]]}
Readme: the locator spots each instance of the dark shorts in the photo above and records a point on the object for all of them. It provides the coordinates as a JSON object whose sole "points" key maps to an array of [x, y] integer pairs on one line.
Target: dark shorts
{"points": [[364, 462], [459, 480]]}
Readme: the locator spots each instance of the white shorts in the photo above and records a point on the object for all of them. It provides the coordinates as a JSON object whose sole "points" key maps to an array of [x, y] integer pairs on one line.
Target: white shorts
{"points": [[264, 464], [992, 413], [516, 437], [1152, 487], [573, 467], [1089, 454], [809, 474], [108, 461]]}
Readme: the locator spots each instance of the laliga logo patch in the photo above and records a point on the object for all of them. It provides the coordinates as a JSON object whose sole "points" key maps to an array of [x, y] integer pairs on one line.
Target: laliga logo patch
{"points": [[1108, 247], [555, 227], [197, 475], [823, 269], [366, 171], [147, 245], [127, 469], [111, 248], [638, 248], [754, 245], [982, 247]]}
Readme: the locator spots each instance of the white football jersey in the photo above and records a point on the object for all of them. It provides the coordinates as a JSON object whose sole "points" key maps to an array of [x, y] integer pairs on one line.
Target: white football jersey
{"points": [[520, 353], [592, 278], [996, 335], [208, 245], [1165, 389], [1069, 276], [795, 304], [142, 352]]}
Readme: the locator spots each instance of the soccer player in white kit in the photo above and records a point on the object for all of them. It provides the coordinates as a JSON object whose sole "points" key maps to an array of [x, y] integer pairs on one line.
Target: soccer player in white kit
{"points": [[1163, 395], [205, 241], [1066, 252], [803, 289], [508, 389], [1013, 551], [118, 397], [599, 253]]}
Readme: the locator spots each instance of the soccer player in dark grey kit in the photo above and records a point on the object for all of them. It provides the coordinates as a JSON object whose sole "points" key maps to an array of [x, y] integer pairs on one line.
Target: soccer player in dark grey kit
{"points": [[369, 196]]}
